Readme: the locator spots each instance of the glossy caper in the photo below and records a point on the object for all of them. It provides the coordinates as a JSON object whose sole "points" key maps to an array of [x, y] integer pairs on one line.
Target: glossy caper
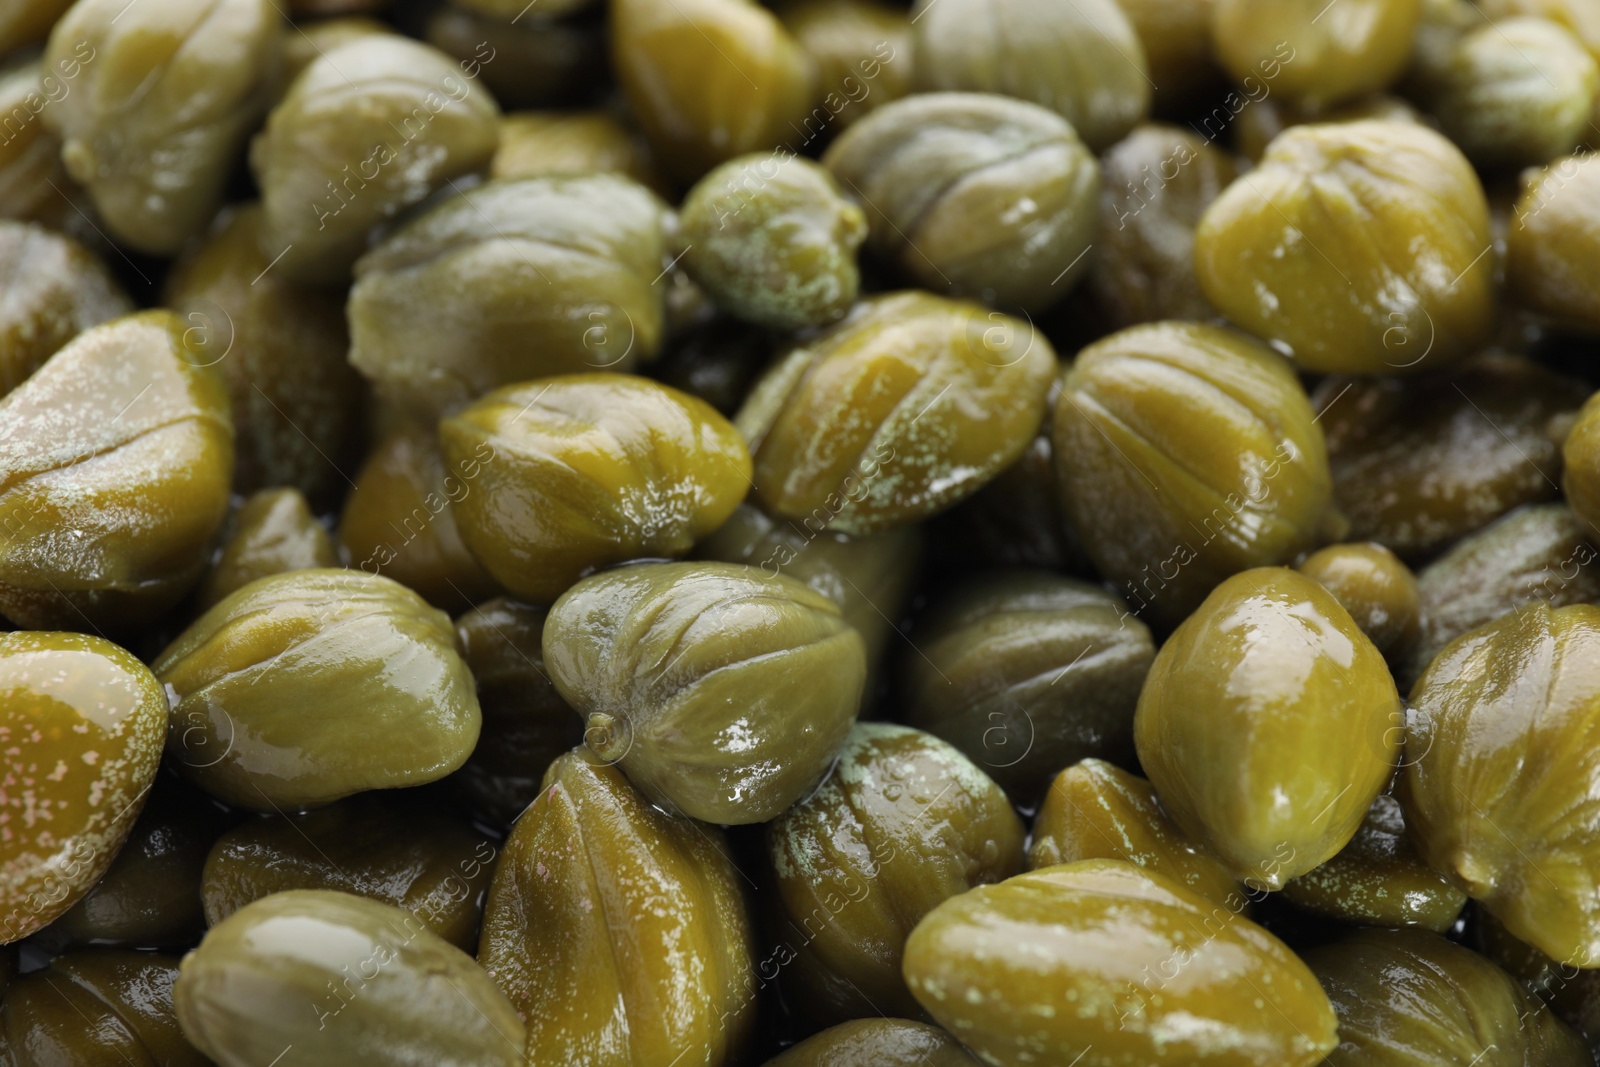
{"points": [[862, 49], [97, 1006], [537, 144], [273, 531], [1553, 242], [877, 1043], [1378, 591], [1311, 54], [58, 290]]}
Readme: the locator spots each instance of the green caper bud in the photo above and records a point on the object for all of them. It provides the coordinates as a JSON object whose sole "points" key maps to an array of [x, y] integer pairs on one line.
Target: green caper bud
{"points": [[1379, 880], [284, 695], [724, 693], [862, 49], [1553, 242], [1268, 724], [1096, 810], [539, 144], [82, 726], [1292, 251], [604, 910], [58, 289], [1418, 464], [1497, 766], [97, 1006], [363, 133], [1378, 591], [1187, 453], [398, 520], [909, 405], [902, 823], [168, 94], [441, 311], [30, 156], [1082, 59], [1538, 553], [273, 532], [770, 238], [974, 194], [1406, 998], [374, 846], [1313, 59], [1156, 183], [877, 1043], [1514, 93], [616, 467], [281, 348], [115, 460], [1105, 963], [1176, 36], [1025, 672], [709, 80], [340, 979], [526, 724], [527, 61], [1258, 125]]}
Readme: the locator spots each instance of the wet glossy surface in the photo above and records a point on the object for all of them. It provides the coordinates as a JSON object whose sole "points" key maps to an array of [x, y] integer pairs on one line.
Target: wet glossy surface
{"points": [[1378, 591], [722, 692], [55, 289], [1291, 47], [273, 531], [877, 1043], [1553, 244]]}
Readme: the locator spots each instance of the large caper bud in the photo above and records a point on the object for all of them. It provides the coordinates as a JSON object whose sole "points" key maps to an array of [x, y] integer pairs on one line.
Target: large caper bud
{"points": [[1378, 591], [273, 531], [1315, 54], [1498, 763], [1357, 247], [167, 96], [605, 910], [862, 49], [97, 1006], [340, 979], [1187, 453], [723, 693], [974, 194], [1553, 243], [1082, 59], [365, 131], [115, 460], [909, 405], [1269, 725], [57, 290], [615, 467], [286, 694], [442, 311], [903, 822]]}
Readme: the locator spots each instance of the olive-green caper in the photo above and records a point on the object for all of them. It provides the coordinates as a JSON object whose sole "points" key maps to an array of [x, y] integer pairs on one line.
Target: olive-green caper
{"points": [[1102, 963], [288, 694], [398, 520], [115, 460], [1378, 591], [1187, 453], [1176, 36], [1356, 247], [974, 194], [1497, 768], [909, 405], [1269, 725], [723, 692], [538, 144], [1096, 810], [1025, 672], [366, 131], [1409, 998], [862, 49], [274, 531], [1257, 126], [604, 912], [771, 239], [1514, 93], [374, 846], [1379, 880], [1082, 60], [1572, 993], [1580, 455], [311, 39], [167, 96], [340, 979], [281, 349], [148, 897], [1156, 183], [877, 1043], [903, 822], [82, 726], [1314, 54], [616, 467], [96, 1006], [1538, 553], [1418, 464], [31, 172], [57, 290], [1553, 243], [527, 59], [712, 79], [526, 724], [442, 310], [870, 578]]}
